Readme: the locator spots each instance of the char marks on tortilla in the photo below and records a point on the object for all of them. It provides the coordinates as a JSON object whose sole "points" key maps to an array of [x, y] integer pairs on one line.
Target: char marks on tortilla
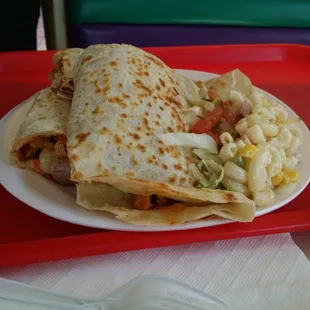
{"points": [[129, 98], [124, 97]]}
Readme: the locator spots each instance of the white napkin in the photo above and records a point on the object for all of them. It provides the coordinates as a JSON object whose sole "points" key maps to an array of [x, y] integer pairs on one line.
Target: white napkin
{"points": [[268, 272]]}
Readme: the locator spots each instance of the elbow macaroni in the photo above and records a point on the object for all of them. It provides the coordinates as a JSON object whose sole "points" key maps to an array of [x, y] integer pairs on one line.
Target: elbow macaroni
{"points": [[256, 135], [226, 138], [268, 144], [235, 186], [275, 166], [236, 173], [264, 198], [240, 144], [228, 151], [295, 131], [293, 147], [257, 177], [284, 137], [269, 130], [280, 114]]}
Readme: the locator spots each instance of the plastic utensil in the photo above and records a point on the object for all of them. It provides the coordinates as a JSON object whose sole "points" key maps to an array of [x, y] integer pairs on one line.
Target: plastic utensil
{"points": [[145, 292]]}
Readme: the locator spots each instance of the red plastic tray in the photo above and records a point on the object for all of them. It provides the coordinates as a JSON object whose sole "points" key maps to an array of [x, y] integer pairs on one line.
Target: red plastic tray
{"points": [[27, 236]]}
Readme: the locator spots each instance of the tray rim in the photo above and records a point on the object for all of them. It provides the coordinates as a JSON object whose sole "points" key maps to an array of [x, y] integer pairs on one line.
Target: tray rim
{"points": [[288, 50], [91, 244], [43, 250]]}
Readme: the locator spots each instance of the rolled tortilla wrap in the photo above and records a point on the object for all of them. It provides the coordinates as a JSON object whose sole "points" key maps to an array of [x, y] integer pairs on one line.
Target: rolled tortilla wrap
{"points": [[124, 97], [40, 143], [62, 76]]}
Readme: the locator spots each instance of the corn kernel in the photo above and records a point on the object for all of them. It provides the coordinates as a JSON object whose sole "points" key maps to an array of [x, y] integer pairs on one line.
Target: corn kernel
{"points": [[277, 179], [279, 123], [290, 176], [266, 102], [248, 151]]}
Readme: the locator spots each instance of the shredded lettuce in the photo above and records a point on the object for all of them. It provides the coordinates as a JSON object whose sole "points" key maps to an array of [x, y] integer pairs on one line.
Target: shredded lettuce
{"points": [[229, 188], [205, 155], [200, 177], [208, 171], [216, 101], [215, 171]]}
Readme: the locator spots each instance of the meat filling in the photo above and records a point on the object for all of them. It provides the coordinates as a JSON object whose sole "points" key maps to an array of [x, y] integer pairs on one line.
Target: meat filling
{"points": [[147, 202], [48, 156]]}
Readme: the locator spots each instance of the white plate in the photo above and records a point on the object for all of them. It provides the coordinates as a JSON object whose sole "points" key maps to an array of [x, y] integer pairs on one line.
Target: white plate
{"points": [[59, 202]]}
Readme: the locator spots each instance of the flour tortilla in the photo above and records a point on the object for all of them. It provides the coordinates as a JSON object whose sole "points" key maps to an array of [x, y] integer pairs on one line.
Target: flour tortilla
{"points": [[102, 197], [123, 98], [233, 80], [62, 76], [47, 118], [187, 88]]}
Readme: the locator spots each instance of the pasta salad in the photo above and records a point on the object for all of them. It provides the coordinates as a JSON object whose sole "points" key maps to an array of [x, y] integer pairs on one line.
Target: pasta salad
{"points": [[251, 146]]}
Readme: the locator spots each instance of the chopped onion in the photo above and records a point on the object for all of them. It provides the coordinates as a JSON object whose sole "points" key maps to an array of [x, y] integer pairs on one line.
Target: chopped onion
{"points": [[198, 102], [202, 141], [246, 107], [237, 99], [192, 115], [182, 100], [204, 92], [209, 106], [228, 128]]}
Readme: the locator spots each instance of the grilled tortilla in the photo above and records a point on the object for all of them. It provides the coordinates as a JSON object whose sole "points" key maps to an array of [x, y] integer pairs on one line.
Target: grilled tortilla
{"points": [[123, 98], [201, 203], [62, 76], [40, 143]]}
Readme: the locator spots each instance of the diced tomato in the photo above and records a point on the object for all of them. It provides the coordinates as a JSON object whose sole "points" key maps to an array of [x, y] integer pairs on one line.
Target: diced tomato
{"points": [[224, 114], [227, 104], [212, 94], [229, 113], [224, 126], [229, 116], [216, 136], [210, 120]]}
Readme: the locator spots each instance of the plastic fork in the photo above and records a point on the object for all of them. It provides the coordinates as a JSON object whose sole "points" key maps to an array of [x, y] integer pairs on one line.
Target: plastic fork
{"points": [[142, 293]]}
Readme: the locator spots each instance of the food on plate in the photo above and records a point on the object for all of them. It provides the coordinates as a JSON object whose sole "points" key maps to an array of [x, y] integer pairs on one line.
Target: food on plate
{"points": [[124, 101], [259, 148], [153, 147], [40, 143], [62, 75]]}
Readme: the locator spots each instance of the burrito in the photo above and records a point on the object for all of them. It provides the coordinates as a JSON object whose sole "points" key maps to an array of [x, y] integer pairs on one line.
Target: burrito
{"points": [[124, 100], [40, 143], [61, 77]]}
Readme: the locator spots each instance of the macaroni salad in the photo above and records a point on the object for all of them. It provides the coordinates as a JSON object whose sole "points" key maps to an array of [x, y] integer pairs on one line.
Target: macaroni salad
{"points": [[255, 148]]}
